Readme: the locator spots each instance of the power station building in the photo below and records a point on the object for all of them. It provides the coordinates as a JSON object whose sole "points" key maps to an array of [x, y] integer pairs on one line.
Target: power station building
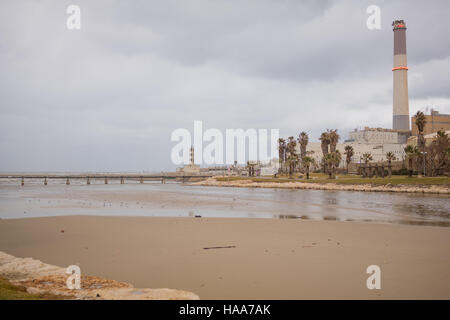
{"points": [[435, 121], [379, 141]]}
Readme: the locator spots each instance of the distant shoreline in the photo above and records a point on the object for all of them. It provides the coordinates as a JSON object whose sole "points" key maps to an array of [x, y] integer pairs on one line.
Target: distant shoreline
{"points": [[249, 183]]}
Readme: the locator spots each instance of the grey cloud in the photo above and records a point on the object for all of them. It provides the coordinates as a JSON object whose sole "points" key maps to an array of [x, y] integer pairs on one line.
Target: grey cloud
{"points": [[107, 97]]}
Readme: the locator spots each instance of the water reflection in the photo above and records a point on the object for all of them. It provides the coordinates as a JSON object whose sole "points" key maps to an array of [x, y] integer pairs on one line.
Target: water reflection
{"points": [[177, 200]]}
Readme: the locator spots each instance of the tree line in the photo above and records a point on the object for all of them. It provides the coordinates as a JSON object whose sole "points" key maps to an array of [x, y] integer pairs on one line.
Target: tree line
{"points": [[432, 158]]}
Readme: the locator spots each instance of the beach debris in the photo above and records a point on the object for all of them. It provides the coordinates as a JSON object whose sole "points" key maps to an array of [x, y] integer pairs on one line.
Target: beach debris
{"points": [[137, 292], [95, 286], [223, 247], [62, 231], [197, 216]]}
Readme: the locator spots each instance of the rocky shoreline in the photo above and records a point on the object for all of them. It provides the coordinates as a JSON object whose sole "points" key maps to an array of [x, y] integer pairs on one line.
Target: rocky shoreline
{"points": [[39, 277], [431, 189]]}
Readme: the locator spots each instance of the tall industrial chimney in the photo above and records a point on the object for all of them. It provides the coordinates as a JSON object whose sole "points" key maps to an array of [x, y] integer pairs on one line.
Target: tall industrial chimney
{"points": [[400, 119]]}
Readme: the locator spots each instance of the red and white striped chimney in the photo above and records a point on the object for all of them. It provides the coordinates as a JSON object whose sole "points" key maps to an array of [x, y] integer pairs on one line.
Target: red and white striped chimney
{"points": [[400, 119]]}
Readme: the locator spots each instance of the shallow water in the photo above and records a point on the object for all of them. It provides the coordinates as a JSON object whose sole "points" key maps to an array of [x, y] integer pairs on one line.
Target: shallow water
{"points": [[178, 200]]}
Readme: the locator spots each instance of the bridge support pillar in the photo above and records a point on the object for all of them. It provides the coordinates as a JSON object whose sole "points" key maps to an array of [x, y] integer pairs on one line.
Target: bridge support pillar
{"points": [[67, 181], [122, 181], [106, 180], [142, 180], [45, 181], [88, 181], [23, 181]]}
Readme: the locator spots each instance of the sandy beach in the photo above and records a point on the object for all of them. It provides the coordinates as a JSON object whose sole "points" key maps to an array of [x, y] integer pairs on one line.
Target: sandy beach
{"points": [[267, 258]]}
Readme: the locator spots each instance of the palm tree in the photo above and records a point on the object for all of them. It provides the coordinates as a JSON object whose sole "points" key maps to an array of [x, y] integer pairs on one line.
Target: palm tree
{"points": [[292, 161], [303, 141], [307, 162], [442, 144], [332, 159], [367, 157], [349, 153], [292, 157], [334, 139], [411, 154], [325, 142], [420, 123], [281, 153], [390, 156]]}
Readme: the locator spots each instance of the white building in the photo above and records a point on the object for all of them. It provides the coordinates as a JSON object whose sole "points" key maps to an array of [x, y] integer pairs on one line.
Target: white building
{"points": [[374, 135]]}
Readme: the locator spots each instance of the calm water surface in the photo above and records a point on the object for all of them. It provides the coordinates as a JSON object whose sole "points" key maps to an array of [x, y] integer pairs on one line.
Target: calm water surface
{"points": [[178, 200]]}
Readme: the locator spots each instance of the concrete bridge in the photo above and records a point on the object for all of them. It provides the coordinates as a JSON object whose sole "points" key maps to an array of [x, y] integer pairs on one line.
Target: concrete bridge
{"points": [[104, 176]]}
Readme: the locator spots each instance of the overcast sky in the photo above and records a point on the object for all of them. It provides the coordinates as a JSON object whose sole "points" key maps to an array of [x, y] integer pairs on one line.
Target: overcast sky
{"points": [[107, 97]]}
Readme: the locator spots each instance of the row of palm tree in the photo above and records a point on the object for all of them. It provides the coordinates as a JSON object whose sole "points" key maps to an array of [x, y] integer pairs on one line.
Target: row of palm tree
{"points": [[290, 161], [435, 156], [431, 159], [331, 157]]}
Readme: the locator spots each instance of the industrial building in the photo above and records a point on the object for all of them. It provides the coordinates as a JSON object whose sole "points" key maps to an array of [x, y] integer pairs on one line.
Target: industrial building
{"points": [[435, 121], [376, 141], [379, 141], [428, 138]]}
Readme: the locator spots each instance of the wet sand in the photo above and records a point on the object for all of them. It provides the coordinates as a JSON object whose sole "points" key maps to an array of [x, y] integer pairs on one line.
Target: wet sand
{"points": [[271, 259]]}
